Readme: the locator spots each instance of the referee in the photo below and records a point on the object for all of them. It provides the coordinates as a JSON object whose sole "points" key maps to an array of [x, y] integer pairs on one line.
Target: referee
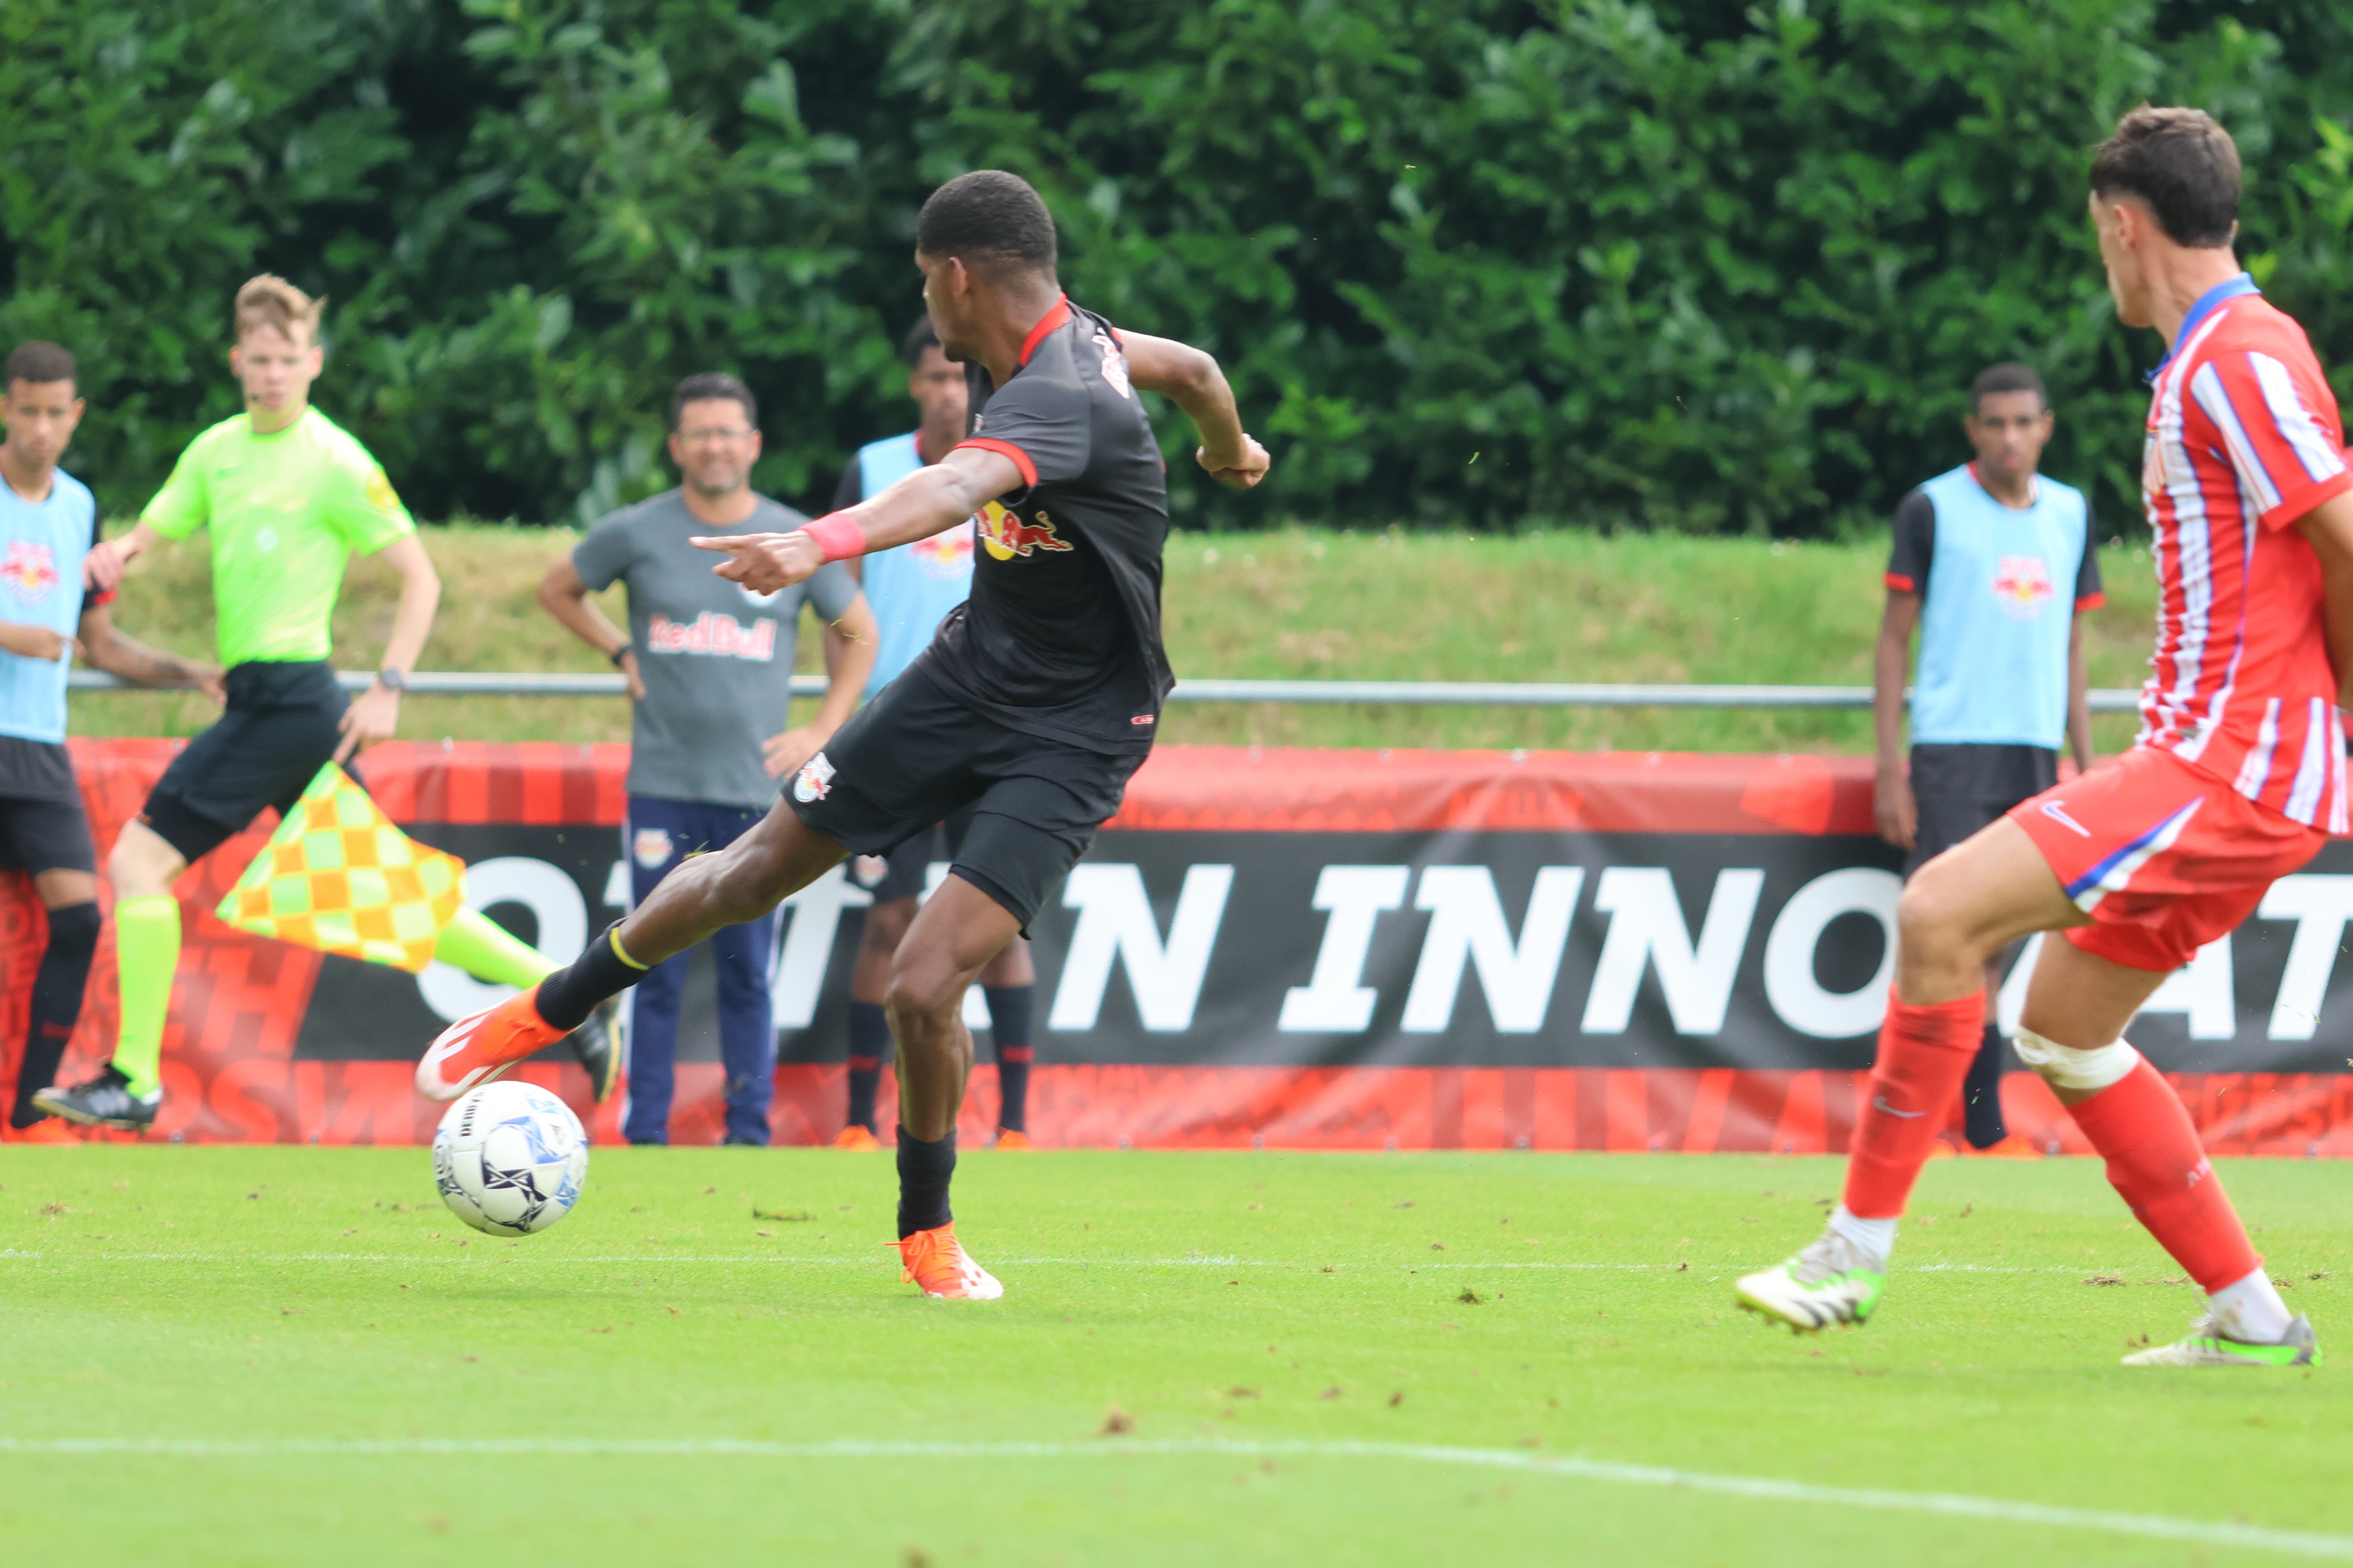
{"points": [[1984, 556]]}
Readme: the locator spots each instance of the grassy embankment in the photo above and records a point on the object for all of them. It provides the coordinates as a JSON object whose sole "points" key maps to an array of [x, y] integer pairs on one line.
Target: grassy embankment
{"points": [[1300, 603]]}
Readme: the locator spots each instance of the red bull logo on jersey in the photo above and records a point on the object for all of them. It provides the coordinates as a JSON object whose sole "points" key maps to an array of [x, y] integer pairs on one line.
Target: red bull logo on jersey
{"points": [[2021, 586], [947, 556], [1004, 535], [30, 571], [713, 636]]}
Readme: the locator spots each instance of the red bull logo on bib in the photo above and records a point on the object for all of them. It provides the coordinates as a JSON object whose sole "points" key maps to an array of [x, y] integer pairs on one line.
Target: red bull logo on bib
{"points": [[29, 570], [2021, 586], [947, 555]]}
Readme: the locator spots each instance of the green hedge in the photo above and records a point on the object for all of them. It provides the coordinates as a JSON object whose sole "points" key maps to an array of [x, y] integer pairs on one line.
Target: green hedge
{"points": [[1673, 264]]}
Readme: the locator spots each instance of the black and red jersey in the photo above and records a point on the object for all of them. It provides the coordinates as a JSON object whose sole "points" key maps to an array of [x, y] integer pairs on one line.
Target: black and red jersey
{"points": [[1061, 638]]}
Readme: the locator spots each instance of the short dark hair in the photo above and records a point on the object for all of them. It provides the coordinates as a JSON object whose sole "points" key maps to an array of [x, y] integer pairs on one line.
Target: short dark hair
{"points": [[2008, 376], [2180, 163], [37, 363], [991, 218], [711, 386], [921, 336]]}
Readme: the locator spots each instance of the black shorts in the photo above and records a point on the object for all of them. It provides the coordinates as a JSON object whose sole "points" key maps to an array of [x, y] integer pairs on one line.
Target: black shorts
{"points": [[902, 873], [1961, 790], [915, 756], [45, 834], [279, 730]]}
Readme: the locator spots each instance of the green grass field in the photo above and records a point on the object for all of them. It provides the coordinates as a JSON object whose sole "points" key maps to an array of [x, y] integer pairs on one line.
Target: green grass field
{"points": [[1306, 603], [282, 1355]]}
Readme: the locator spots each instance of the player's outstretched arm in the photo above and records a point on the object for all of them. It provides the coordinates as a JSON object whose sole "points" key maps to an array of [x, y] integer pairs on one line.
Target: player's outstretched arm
{"points": [[1192, 380], [133, 663], [919, 506], [2328, 529]]}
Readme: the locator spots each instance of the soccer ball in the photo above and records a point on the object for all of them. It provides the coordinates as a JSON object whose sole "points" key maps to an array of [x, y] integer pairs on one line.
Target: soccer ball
{"points": [[510, 1158]]}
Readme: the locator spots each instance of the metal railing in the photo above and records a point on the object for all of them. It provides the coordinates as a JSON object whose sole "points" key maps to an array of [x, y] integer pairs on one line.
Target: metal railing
{"points": [[1442, 693]]}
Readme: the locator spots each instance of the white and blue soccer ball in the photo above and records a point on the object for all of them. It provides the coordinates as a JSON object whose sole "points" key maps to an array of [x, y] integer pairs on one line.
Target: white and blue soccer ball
{"points": [[510, 1158]]}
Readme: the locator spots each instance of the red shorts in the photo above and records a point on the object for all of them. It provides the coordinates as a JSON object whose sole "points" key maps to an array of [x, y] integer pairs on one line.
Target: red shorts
{"points": [[2163, 857]]}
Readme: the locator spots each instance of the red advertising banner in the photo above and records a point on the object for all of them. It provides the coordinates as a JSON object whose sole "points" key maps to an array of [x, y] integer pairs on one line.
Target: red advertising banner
{"points": [[1267, 948]]}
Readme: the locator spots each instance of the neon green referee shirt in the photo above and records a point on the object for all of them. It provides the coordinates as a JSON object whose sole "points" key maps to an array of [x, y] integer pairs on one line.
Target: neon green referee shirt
{"points": [[286, 510]]}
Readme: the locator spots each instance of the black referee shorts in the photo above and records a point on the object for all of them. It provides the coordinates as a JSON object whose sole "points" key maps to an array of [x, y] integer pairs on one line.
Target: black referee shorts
{"points": [[278, 729], [1961, 790], [915, 757]]}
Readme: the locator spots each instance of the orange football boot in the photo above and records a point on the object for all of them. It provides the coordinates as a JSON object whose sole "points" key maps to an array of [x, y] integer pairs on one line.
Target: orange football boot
{"points": [[47, 1130], [1014, 1140], [857, 1138], [477, 1048], [936, 1260]]}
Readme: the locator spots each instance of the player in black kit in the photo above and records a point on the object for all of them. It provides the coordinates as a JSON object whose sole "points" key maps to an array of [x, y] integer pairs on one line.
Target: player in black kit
{"points": [[1034, 703]]}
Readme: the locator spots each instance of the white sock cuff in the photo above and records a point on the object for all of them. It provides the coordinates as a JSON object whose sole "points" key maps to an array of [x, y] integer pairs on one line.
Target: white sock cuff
{"points": [[2064, 1066], [1875, 1238]]}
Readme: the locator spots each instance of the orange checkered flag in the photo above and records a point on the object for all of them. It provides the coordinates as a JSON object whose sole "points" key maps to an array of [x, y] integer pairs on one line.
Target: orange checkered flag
{"points": [[339, 877]]}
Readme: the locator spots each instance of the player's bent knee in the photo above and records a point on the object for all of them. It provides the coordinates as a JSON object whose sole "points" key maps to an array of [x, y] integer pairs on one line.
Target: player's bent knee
{"points": [[2064, 1066]]}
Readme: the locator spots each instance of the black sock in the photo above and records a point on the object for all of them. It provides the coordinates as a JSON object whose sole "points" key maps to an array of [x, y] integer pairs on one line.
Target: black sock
{"points": [[924, 1172], [1011, 1009], [57, 1005], [869, 1047], [566, 997], [1981, 1092]]}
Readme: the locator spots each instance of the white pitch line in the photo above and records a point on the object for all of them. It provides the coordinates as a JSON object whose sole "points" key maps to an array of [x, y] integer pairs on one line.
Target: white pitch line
{"points": [[492, 1251], [2295, 1543]]}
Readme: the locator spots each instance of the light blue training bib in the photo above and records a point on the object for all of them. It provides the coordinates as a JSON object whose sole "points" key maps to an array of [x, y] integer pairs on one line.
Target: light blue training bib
{"points": [[910, 587], [1999, 611], [41, 548]]}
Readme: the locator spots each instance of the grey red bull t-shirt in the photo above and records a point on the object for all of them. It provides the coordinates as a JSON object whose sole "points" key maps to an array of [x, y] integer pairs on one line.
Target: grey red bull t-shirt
{"points": [[716, 659], [1061, 638]]}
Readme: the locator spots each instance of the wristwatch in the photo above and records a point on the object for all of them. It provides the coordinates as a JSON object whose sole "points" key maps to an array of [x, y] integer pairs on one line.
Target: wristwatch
{"points": [[392, 679], [621, 653]]}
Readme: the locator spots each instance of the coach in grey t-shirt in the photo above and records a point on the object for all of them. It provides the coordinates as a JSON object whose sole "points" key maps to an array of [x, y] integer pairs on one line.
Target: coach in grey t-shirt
{"points": [[710, 667]]}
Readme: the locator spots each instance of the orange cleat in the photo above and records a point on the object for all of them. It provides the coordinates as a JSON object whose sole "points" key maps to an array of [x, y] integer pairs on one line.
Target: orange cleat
{"points": [[936, 1260], [1014, 1140], [857, 1138], [476, 1049], [47, 1130]]}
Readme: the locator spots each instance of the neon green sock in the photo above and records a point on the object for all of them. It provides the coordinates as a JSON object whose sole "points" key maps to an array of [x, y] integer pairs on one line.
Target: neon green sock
{"points": [[146, 952], [485, 950]]}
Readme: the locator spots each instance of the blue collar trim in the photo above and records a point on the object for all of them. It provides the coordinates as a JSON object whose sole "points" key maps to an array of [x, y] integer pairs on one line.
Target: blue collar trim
{"points": [[2229, 288]]}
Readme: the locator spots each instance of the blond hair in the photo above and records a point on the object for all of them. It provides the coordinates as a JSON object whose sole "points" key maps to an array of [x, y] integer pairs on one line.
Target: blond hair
{"points": [[270, 301]]}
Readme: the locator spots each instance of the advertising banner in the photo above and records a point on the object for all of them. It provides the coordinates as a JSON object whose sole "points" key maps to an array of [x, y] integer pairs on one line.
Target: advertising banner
{"points": [[1267, 947]]}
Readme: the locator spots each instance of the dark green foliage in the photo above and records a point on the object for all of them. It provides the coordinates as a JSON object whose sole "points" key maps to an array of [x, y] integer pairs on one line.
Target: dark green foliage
{"points": [[1469, 261]]}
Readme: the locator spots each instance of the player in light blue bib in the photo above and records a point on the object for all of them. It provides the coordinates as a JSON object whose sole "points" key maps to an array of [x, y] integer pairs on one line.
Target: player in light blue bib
{"points": [[47, 523], [911, 589], [1994, 564]]}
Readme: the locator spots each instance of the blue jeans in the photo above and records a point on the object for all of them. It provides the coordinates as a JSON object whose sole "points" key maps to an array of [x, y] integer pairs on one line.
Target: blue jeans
{"points": [[657, 834]]}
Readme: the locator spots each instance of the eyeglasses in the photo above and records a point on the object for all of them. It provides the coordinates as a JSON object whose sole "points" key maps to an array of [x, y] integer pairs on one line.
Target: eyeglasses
{"points": [[711, 437]]}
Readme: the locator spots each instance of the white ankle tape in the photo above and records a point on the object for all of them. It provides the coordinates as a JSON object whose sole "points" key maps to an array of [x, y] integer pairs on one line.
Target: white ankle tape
{"points": [[2064, 1066]]}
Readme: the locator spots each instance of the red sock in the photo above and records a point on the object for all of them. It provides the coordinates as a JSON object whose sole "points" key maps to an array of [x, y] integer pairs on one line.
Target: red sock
{"points": [[2155, 1163], [1923, 1055]]}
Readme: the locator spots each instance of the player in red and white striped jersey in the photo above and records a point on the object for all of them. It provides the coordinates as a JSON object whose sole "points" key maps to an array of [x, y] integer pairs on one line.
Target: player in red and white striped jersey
{"points": [[2237, 778]]}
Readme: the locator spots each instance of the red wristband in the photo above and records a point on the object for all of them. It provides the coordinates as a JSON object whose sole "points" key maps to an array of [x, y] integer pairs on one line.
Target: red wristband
{"points": [[840, 538]]}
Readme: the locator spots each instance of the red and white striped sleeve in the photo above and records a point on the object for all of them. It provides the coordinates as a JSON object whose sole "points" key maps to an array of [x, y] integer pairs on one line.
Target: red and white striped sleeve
{"points": [[2275, 419]]}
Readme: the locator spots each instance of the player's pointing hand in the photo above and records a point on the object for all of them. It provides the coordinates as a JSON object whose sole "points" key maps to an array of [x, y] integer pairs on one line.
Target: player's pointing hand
{"points": [[764, 563], [1240, 470]]}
